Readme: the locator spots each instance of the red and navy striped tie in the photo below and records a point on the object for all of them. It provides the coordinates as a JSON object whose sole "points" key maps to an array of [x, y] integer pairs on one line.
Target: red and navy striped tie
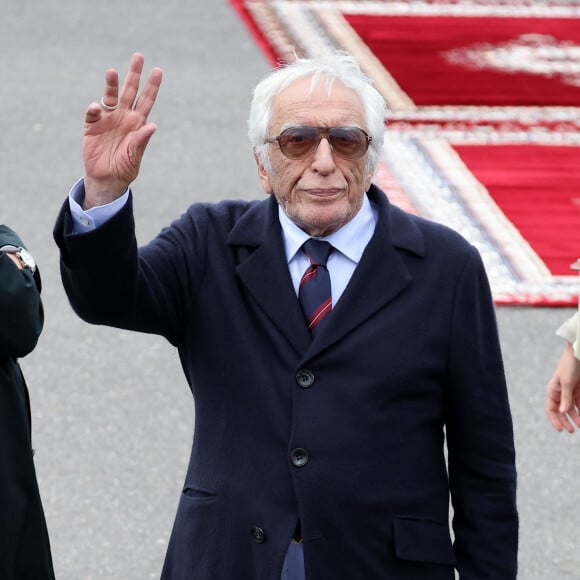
{"points": [[314, 293]]}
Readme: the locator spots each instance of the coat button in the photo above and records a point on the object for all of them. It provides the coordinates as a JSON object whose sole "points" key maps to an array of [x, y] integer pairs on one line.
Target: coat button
{"points": [[299, 457], [305, 378], [258, 535]]}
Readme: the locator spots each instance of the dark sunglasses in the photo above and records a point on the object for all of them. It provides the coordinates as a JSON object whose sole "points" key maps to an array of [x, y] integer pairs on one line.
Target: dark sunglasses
{"points": [[300, 142]]}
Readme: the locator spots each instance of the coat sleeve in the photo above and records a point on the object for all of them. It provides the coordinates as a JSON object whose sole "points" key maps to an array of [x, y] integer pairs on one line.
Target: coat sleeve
{"points": [[109, 280], [480, 437], [21, 311]]}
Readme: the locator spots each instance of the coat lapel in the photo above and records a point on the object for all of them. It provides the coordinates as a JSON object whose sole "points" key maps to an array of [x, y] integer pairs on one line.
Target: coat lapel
{"points": [[263, 270], [380, 276]]}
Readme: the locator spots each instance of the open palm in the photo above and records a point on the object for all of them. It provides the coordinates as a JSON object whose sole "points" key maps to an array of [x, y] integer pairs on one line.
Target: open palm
{"points": [[117, 132]]}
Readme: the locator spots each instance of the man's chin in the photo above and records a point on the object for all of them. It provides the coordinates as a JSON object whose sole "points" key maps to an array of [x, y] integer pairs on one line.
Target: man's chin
{"points": [[318, 225]]}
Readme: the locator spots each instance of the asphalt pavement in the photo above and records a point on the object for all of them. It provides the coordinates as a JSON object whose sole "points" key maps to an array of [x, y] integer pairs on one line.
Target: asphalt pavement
{"points": [[112, 415]]}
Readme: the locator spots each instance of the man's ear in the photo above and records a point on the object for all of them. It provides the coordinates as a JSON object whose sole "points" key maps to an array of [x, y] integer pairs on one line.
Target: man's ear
{"points": [[263, 175]]}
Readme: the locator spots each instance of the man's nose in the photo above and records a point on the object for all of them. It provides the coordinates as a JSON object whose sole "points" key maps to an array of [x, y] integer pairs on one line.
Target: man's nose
{"points": [[323, 157]]}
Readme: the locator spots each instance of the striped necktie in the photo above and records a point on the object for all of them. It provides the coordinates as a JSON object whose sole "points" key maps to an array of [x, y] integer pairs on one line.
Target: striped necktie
{"points": [[314, 293]]}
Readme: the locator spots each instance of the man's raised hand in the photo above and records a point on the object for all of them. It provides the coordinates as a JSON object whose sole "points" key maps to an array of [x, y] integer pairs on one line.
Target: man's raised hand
{"points": [[117, 132]]}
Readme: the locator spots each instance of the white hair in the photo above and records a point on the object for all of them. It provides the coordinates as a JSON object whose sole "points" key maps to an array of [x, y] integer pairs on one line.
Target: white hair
{"points": [[337, 66]]}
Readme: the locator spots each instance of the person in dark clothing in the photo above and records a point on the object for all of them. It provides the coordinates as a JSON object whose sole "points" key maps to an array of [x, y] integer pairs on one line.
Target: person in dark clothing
{"points": [[24, 543]]}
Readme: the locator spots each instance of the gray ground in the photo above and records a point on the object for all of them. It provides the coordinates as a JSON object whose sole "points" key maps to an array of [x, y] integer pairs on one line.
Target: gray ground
{"points": [[112, 414]]}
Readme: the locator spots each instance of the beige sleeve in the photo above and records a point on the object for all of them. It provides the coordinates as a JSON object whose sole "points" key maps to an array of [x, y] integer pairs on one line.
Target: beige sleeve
{"points": [[570, 331]]}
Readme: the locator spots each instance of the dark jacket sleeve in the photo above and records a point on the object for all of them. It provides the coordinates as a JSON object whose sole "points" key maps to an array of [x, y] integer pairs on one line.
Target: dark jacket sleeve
{"points": [[110, 281], [480, 436], [21, 311]]}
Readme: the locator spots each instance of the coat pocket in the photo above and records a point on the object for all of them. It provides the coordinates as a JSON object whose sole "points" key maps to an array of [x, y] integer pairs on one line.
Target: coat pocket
{"points": [[425, 541], [197, 493]]}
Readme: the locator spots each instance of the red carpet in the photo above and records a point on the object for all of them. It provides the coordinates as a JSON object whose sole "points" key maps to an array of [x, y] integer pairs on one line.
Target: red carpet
{"points": [[484, 129], [538, 190], [452, 60]]}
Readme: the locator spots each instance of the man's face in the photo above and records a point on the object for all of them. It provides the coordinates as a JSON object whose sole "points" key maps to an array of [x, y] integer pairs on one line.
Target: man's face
{"points": [[323, 191]]}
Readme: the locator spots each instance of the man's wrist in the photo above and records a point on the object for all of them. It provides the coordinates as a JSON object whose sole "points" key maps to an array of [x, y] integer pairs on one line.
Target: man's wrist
{"points": [[86, 221], [98, 193]]}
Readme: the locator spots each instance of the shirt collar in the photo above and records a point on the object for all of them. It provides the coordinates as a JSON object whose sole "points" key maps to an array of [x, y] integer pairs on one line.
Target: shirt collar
{"points": [[350, 240]]}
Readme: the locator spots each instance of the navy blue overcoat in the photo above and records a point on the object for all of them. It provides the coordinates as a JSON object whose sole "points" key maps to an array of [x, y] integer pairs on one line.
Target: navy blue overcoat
{"points": [[346, 432]]}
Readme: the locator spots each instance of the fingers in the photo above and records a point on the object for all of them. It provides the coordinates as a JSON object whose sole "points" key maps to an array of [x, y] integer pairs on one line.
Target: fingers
{"points": [[553, 414], [142, 139], [574, 414], [556, 423], [127, 98], [131, 84], [93, 113], [147, 99], [553, 393], [568, 420], [560, 420], [563, 393], [565, 398], [565, 421], [111, 91]]}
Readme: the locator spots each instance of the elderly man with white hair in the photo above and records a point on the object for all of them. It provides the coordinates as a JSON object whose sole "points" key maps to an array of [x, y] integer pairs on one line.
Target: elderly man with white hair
{"points": [[334, 345]]}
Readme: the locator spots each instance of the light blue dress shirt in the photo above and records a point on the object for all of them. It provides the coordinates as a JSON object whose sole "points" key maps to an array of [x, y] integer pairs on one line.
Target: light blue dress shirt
{"points": [[349, 243]]}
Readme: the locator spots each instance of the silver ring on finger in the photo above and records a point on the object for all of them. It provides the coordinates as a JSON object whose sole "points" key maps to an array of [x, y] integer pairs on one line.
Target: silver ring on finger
{"points": [[106, 107]]}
